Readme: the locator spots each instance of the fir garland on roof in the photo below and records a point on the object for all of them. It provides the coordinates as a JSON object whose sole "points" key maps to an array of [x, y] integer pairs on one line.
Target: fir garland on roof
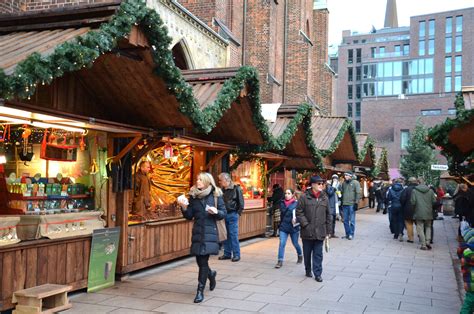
{"points": [[459, 163], [346, 127], [368, 147], [84, 50]]}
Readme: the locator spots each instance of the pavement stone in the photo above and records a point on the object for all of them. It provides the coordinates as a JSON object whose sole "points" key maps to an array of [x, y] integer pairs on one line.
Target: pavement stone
{"points": [[371, 274]]}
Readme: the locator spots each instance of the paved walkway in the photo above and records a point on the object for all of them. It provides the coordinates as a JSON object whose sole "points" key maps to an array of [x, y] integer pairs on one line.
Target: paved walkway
{"points": [[371, 274]]}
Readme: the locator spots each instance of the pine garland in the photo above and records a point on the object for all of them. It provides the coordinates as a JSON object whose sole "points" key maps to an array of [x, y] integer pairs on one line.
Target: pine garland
{"points": [[381, 164], [346, 127], [459, 163], [369, 146]]}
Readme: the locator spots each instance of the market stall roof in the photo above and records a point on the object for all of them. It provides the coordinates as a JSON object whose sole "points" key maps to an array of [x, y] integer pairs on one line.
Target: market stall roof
{"points": [[454, 136], [237, 124], [71, 66], [335, 137], [293, 136], [365, 146]]}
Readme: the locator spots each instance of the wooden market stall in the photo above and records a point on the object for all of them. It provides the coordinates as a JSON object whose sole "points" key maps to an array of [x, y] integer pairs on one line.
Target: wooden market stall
{"points": [[80, 66], [365, 166], [381, 163]]}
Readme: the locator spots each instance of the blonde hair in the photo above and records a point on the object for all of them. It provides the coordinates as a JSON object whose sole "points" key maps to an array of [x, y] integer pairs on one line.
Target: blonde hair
{"points": [[207, 179]]}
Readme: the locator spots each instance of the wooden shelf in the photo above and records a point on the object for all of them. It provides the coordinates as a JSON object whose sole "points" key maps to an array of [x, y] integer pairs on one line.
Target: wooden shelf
{"points": [[20, 197]]}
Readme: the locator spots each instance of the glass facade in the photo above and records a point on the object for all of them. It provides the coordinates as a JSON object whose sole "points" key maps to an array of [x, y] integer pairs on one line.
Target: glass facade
{"points": [[458, 24], [458, 64], [421, 48], [404, 138], [448, 82], [421, 32], [449, 25], [448, 45], [447, 64], [431, 28], [398, 77], [458, 44], [397, 51]]}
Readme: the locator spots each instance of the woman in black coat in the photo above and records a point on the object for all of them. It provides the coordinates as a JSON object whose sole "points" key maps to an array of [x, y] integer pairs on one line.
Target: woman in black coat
{"points": [[205, 206]]}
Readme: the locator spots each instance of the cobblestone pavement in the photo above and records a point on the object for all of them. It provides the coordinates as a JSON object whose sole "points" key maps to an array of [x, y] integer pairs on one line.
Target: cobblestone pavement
{"points": [[371, 274]]}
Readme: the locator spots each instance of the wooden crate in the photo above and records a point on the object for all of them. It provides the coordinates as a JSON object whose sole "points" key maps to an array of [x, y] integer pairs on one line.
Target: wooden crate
{"points": [[45, 299]]}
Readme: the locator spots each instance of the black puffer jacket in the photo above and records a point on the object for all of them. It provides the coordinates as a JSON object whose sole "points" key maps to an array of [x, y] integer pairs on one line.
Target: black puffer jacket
{"points": [[405, 199], [314, 215], [204, 237]]}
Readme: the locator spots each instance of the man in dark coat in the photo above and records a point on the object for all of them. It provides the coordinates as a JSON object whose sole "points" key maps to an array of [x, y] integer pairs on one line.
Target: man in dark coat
{"points": [[314, 214], [276, 198], [407, 207], [234, 204], [331, 192], [395, 209], [371, 195]]}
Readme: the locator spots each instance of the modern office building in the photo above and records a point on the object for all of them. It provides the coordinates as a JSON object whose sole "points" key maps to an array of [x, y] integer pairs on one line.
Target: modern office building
{"points": [[391, 77]]}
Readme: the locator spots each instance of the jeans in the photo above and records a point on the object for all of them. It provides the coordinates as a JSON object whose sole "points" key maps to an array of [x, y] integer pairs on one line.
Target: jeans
{"points": [[380, 204], [423, 228], [371, 202], [313, 252], [333, 226], [349, 219], [294, 239], [397, 222], [232, 245]]}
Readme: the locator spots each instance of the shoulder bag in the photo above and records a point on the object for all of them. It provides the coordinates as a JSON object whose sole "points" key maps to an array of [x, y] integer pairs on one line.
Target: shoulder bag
{"points": [[220, 224]]}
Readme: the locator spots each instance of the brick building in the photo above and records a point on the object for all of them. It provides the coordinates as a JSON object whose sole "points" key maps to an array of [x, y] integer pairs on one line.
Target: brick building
{"points": [[285, 40], [389, 78]]}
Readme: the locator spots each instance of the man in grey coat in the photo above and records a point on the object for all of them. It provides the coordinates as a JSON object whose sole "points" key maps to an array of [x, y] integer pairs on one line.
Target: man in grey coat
{"points": [[350, 199], [423, 199]]}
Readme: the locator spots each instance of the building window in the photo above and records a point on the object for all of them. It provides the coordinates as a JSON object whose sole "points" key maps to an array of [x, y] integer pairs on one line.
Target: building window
{"points": [[350, 57], [428, 85], [421, 47], [349, 92], [397, 51], [349, 74], [397, 68], [458, 64], [358, 91], [363, 41], [458, 44], [349, 110], [448, 84], [431, 47], [452, 111], [358, 73], [404, 138], [358, 55], [457, 83], [422, 29], [449, 45], [449, 25], [459, 24], [431, 28], [406, 50], [381, 52], [372, 52], [357, 125], [431, 112], [447, 65], [356, 41], [357, 110]]}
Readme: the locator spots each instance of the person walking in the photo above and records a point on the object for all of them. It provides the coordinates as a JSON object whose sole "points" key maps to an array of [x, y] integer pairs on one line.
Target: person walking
{"points": [[205, 206], [332, 195], [371, 195], [234, 204], [276, 198], [315, 217], [423, 199], [350, 197], [378, 185], [407, 207], [289, 227], [395, 209]]}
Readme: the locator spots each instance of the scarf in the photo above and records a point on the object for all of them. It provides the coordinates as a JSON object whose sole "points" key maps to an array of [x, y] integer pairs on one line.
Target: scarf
{"points": [[197, 193], [316, 194], [288, 202]]}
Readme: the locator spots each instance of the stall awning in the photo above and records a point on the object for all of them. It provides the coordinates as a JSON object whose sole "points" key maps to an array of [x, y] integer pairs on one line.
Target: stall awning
{"points": [[335, 137], [365, 146], [381, 162]]}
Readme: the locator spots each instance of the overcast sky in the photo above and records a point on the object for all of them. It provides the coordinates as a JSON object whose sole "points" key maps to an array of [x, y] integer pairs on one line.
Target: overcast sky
{"points": [[360, 15]]}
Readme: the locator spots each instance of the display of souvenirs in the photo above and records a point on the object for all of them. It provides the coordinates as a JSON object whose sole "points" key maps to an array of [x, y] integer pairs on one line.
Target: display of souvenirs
{"points": [[169, 177], [249, 175]]}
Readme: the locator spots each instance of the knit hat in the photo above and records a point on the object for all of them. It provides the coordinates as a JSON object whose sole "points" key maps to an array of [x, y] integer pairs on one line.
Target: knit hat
{"points": [[348, 173], [335, 176], [315, 179]]}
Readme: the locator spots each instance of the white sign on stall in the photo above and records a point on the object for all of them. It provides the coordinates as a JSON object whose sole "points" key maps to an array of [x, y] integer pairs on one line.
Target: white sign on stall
{"points": [[439, 167]]}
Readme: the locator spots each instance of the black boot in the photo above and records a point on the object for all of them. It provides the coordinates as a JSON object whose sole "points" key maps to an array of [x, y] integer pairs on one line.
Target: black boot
{"points": [[199, 294], [212, 279]]}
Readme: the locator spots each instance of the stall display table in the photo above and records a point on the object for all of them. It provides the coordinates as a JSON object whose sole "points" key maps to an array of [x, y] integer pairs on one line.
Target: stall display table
{"points": [[57, 226], [8, 230]]}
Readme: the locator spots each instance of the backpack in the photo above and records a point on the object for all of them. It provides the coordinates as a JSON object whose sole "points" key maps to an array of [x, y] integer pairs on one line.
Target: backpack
{"points": [[394, 197]]}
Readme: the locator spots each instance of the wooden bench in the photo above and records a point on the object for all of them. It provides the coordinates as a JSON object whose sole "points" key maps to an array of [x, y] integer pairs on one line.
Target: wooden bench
{"points": [[44, 299]]}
